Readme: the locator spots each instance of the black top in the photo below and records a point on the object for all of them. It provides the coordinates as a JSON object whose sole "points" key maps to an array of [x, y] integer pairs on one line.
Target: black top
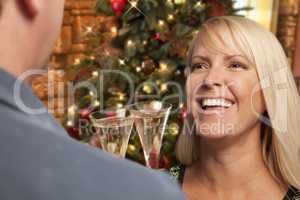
{"points": [[177, 172]]}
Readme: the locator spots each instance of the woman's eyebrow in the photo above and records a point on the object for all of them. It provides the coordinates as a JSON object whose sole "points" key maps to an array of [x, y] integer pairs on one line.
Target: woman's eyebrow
{"points": [[204, 58], [239, 56], [228, 57]]}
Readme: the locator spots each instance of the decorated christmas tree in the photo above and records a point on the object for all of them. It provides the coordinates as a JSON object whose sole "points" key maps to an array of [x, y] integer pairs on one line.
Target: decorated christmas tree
{"points": [[148, 42]]}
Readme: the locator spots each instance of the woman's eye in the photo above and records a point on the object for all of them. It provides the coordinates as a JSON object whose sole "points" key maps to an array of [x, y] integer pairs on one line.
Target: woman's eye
{"points": [[237, 66], [199, 66]]}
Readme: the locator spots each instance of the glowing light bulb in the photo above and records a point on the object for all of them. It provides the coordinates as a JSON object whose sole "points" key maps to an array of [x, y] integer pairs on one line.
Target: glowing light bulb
{"points": [[119, 105], [170, 17], [122, 62], [96, 103], [89, 29], [114, 29], [161, 23], [70, 123], [95, 73], [129, 42], [138, 69], [164, 87], [133, 3], [163, 66], [72, 110], [77, 61]]}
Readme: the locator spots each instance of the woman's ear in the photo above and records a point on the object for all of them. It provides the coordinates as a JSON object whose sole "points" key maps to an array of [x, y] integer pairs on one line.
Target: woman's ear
{"points": [[30, 8]]}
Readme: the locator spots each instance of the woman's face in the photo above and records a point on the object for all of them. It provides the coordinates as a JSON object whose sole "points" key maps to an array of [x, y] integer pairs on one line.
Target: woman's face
{"points": [[223, 93]]}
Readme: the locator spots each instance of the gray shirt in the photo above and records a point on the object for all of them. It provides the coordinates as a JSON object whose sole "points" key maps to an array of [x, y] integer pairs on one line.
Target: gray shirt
{"points": [[38, 160]]}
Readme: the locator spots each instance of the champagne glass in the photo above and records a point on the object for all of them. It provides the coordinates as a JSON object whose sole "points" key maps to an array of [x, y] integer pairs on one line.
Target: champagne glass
{"points": [[113, 133], [150, 120]]}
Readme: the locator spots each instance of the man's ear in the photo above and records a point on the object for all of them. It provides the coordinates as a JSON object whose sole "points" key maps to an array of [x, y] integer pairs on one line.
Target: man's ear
{"points": [[30, 8]]}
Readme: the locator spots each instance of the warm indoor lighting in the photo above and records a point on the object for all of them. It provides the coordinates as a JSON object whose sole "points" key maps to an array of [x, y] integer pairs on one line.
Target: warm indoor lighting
{"points": [[164, 87], [70, 123], [138, 69], [122, 62], [161, 22], [72, 110], [95, 73], [170, 17], [89, 29], [163, 66], [129, 43], [96, 103], [114, 30], [77, 61]]}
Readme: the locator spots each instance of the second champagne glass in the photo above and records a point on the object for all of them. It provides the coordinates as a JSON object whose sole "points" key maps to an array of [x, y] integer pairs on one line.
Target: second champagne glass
{"points": [[150, 121]]}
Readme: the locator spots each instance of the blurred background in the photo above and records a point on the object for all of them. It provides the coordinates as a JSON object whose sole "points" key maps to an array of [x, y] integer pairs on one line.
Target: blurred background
{"points": [[147, 39]]}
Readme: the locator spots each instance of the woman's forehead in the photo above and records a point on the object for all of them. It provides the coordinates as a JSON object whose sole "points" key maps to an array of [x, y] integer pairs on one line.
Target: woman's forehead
{"points": [[201, 50]]}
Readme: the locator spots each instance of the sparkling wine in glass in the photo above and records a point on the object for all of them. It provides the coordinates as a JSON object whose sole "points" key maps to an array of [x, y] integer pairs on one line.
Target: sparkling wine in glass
{"points": [[114, 134], [150, 121]]}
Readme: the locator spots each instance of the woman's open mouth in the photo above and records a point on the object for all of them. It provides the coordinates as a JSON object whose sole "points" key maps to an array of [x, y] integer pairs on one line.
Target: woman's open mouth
{"points": [[209, 105]]}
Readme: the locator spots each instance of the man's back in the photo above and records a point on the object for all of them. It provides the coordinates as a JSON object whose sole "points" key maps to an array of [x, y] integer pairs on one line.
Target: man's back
{"points": [[38, 161]]}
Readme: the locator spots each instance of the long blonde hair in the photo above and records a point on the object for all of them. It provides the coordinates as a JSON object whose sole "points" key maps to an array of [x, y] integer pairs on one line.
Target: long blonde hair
{"points": [[280, 139]]}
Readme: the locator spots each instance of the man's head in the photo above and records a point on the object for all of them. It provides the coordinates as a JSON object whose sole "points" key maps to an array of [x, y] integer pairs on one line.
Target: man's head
{"points": [[29, 29]]}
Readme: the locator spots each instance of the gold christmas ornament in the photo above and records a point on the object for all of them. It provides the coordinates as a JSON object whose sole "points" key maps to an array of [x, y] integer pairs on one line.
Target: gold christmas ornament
{"points": [[148, 66], [173, 129]]}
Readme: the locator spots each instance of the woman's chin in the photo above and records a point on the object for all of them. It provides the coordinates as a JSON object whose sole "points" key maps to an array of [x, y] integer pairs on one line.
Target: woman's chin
{"points": [[215, 130], [212, 135]]}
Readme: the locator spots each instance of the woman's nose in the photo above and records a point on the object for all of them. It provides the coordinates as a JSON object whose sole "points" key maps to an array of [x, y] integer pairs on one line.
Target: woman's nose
{"points": [[214, 77]]}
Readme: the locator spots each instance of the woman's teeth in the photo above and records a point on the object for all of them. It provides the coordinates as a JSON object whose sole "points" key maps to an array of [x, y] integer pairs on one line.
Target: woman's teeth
{"points": [[215, 102]]}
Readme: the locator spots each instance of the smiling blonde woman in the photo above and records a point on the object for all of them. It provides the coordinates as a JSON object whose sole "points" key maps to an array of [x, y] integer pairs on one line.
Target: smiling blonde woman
{"points": [[242, 136]]}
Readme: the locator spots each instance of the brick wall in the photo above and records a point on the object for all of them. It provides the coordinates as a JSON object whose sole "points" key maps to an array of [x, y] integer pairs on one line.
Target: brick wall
{"points": [[51, 88], [79, 18]]}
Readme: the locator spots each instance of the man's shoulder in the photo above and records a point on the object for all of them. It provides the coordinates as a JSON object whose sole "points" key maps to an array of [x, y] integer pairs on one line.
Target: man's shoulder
{"points": [[36, 162]]}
